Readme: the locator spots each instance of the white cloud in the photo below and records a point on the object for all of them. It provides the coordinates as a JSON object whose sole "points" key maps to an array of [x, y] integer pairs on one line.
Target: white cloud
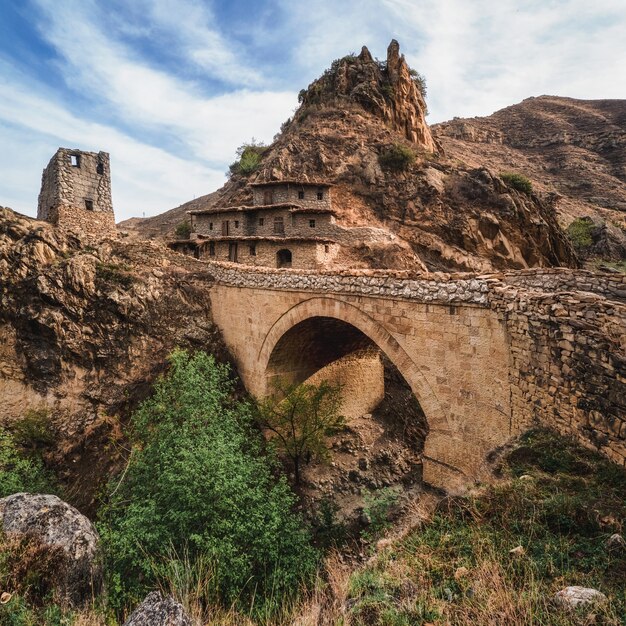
{"points": [[144, 178], [210, 127], [481, 56], [171, 134]]}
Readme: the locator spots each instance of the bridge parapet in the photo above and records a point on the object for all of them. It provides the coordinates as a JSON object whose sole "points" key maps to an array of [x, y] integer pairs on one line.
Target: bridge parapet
{"points": [[429, 288], [435, 287]]}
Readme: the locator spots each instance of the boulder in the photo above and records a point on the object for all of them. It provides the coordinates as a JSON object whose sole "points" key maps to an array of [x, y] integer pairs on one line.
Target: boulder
{"points": [[575, 597], [156, 610], [50, 522]]}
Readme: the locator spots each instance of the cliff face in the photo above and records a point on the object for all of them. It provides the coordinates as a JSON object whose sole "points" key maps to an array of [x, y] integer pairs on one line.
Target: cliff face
{"points": [[386, 90], [84, 330], [573, 148]]}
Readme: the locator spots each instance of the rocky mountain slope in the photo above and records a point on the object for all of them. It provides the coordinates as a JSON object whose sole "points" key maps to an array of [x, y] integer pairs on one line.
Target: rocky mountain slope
{"points": [[164, 224], [361, 126], [84, 330], [573, 150]]}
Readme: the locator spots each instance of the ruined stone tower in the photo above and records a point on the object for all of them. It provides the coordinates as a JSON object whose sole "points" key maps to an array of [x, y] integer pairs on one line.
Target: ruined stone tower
{"points": [[76, 193]]}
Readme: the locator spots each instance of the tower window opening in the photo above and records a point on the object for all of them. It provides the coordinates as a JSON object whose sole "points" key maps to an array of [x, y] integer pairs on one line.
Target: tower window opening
{"points": [[301, 195], [89, 205], [75, 160], [312, 223], [320, 194], [100, 168]]}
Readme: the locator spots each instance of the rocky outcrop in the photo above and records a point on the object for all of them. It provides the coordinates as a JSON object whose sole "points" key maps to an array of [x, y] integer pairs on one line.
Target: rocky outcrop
{"points": [[574, 148], [50, 522], [387, 90], [156, 610], [84, 329], [444, 214]]}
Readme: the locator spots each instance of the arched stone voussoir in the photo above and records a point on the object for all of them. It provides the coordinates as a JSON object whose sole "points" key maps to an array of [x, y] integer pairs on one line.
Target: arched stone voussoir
{"points": [[374, 330]]}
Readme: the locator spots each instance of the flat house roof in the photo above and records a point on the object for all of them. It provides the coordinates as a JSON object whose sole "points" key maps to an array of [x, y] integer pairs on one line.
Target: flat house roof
{"points": [[296, 182], [204, 239], [292, 207]]}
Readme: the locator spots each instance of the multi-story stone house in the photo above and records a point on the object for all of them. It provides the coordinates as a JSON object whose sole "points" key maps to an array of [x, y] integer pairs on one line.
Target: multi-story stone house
{"points": [[289, 224]]}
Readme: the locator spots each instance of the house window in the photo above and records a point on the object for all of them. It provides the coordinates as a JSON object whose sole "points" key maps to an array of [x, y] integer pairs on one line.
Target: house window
{"points": [[301, 195], [100, 168], [279, 225], [236, 223], [252, 249], [89, 205], [312, 223], [261, 221], [226, 228], [210, 225], [326, 248], [211, 248], [75, 160], [320, 194]]}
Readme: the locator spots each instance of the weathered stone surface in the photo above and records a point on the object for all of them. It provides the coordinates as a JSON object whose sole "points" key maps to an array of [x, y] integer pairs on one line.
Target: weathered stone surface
{"points": [[576, 597], [76, 193], [567, 147], [54, 523], [156, 610], [84, 329]]}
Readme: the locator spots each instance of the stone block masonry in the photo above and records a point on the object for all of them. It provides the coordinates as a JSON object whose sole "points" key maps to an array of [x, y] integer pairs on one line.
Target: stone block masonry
{"points": [[76, 193], [487, 356]]}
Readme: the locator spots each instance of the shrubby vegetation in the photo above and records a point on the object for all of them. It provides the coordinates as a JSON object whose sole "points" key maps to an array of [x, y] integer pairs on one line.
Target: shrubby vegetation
{"points": [[558, 501], [249, 156], [579, 232], [198, 489], [397, 158], [21, 468], [183, 230], [517, 181]]}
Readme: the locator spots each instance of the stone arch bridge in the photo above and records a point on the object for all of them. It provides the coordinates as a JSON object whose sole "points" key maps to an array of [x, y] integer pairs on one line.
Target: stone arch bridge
{"points": [[486, 356]]}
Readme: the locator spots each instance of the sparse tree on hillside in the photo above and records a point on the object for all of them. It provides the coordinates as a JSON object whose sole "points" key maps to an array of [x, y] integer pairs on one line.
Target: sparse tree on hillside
{"points": [[300, 418]]}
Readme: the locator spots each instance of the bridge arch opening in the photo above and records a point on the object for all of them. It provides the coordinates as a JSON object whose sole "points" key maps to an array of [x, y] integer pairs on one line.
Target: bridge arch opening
{"points": [[327, 348], [386, 428]]}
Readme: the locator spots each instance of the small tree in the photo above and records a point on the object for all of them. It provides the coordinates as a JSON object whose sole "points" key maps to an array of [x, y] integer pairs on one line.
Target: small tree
{"points": [[397, 158], [300, 418], [183, 230], [250, 156]]}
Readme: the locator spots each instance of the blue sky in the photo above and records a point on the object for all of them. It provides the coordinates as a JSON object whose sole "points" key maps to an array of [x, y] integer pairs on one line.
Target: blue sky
{"points": [[171, 87]]}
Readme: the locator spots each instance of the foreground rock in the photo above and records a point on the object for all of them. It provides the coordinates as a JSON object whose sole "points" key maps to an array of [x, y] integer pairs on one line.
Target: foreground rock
{"points": [[156, 610], [577, 597], [51, 522]]}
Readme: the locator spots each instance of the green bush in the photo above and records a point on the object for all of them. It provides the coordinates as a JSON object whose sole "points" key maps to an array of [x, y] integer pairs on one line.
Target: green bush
{"points": [[250, 157], [33, 432], [19, 472], [198, 484], [517, 181], [579, 232], [183, 230], [398, 158]]}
